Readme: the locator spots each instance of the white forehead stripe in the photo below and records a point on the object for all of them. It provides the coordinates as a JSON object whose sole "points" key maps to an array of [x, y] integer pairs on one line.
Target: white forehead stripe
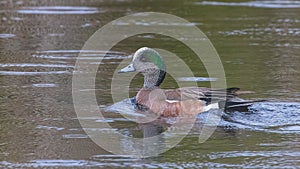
{"points": [[140, 51]]}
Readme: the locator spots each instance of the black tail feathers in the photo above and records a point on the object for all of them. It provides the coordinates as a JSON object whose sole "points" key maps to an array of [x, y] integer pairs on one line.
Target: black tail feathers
{"points": [[237, 104]]}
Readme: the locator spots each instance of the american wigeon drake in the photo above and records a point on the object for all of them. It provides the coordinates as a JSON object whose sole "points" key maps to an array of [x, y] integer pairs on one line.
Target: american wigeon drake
{"points": [[174, 102]]}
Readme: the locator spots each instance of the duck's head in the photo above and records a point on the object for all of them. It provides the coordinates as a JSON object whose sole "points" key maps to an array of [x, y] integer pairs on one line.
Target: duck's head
{"points": [[148, 62]]}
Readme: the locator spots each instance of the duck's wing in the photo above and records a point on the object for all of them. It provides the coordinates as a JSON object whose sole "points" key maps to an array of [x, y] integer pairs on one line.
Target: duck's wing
{"points": [[201, 93], [226, 98]]}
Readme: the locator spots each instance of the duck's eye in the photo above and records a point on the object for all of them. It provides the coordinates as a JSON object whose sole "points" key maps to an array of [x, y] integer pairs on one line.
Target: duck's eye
{"points": [[143, 59]]}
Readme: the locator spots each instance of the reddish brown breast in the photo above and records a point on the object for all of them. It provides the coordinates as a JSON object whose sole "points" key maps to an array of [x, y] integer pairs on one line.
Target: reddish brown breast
{"points": [[142, 96]]}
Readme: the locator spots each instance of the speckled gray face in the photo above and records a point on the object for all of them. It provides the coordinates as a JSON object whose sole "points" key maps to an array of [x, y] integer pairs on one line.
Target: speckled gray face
{"points": [[145, 61]]}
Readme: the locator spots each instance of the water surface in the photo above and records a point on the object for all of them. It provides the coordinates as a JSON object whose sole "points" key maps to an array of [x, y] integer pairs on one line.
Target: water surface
{"points": [[258, 42]]}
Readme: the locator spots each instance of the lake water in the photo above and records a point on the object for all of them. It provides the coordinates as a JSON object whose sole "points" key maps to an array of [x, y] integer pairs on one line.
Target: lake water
{"points": [[258, 43]]}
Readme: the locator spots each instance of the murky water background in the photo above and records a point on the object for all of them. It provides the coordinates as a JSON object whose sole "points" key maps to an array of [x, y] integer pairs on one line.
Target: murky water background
{"points": [[258, 42]]}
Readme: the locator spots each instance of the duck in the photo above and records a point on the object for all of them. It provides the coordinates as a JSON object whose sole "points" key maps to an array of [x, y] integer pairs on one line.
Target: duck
{"points": [[185, 101]]}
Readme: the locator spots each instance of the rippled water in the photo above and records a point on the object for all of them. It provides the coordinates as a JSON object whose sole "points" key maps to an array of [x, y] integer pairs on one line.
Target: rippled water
{"points": [[257, 4], [59, 10], [258, 43]]}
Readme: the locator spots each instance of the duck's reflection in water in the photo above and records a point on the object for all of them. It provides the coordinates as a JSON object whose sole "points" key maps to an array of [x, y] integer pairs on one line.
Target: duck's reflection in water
{"points": [[155, 137]]}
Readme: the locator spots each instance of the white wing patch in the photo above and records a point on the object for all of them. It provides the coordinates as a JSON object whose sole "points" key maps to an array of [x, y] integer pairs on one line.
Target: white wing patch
{"points": [[172, 101], [211, 106]]}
